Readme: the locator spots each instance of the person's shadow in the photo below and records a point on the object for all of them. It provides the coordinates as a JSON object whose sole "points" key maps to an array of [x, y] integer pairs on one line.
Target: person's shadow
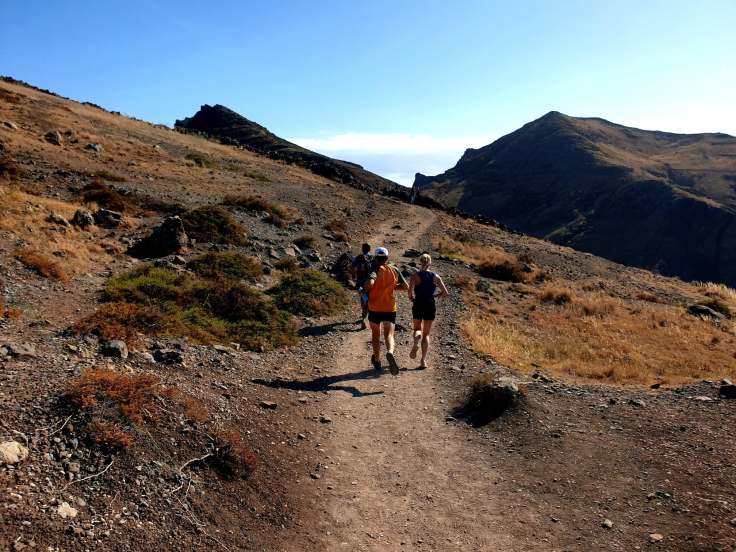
{"points": [[326, 383], [324, 329]]}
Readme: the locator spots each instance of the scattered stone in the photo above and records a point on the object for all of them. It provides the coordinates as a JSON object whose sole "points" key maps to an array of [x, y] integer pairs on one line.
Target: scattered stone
{"points": [[10, 124], [411, 253], [178, 260], [53, 137], [637, 402], [20, 350], [66, 511], [607, 523], [703, 398], [108, 219], [57, 219], [94, 147], [12, 452], [314, 475], [114, 348], [706, 312], [83, 219], [167, 356], [733, 522], [325, 420], [301, 436], [167, 239], [268, 405], [655, 386], [656, 537], [221, 349]]}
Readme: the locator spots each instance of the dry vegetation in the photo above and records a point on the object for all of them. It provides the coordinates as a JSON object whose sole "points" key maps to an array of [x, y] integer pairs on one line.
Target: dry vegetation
{"points": [[41, 264], [213, 224], [590, 335], [277, 214]]}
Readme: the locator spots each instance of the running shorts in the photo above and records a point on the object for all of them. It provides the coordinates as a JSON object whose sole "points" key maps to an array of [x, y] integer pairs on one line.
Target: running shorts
{"points": [[378, 317], [423, 308]]}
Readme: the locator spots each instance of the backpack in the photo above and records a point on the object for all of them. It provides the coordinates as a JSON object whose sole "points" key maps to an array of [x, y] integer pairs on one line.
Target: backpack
{"points": [[363, 265]]}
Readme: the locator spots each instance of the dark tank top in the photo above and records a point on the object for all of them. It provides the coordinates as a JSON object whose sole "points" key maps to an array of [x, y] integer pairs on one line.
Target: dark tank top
{"points": [[426, 287]]}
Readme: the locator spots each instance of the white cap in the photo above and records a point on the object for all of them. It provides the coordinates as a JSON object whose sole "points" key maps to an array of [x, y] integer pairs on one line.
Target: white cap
{"points": [[381, 252]]}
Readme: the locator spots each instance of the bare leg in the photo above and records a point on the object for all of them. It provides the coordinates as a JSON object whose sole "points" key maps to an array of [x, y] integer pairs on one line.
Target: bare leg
{"points": [[388, 336], [417, 338], [426, 328], [376, 339]]}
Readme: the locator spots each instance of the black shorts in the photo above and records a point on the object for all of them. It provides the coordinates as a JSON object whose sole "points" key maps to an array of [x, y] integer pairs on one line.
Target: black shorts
{"points": [[423, 308], [378, 317]]}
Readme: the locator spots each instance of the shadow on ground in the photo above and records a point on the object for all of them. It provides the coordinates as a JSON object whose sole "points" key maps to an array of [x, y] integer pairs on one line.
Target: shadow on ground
{"points": [[326, 383], [324, 329]]}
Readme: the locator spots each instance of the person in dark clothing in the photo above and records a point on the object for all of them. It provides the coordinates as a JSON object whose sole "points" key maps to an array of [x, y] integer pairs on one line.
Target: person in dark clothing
{"points": [[362, 266], [423, 288]]}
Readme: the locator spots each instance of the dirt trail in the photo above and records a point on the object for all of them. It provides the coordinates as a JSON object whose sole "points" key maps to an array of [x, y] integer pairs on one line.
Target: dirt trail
{"points": [[398, 476]]}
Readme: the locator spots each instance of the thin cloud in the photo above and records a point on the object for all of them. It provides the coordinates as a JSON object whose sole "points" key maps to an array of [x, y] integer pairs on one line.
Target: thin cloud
{"points": [[391, 143]]}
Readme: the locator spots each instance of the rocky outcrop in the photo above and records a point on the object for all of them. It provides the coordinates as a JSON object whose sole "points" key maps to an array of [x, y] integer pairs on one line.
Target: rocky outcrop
{"points": [[656, 200], [167, 239], [232, 128]]}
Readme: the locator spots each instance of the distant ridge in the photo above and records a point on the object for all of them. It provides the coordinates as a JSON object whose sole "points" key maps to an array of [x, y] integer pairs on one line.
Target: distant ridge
{"points": [[658, 200], [231, 127]]}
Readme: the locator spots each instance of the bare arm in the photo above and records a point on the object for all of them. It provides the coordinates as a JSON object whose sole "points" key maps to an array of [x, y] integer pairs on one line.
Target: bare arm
{"points": [[440, 284], [412, 283]]}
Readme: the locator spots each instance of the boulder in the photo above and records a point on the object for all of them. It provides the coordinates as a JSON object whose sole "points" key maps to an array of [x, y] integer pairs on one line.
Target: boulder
{"points": [[53, 137], [83, 219], [114, 348], [166, 239], [411, 253], [108, 219], [167, 356], [12, 452], [20, 350], [727, 391], [705, 312]]}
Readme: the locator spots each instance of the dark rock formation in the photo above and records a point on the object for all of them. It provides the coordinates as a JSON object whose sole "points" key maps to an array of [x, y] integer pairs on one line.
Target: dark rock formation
{"points": [[167, 239]]}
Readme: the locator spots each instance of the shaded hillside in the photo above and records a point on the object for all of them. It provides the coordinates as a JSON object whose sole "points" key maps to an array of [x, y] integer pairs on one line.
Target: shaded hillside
{"points": [[232, 128], [657, 200]]}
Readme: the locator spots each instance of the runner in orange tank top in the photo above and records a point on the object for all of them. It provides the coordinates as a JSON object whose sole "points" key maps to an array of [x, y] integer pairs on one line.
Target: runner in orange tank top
{"points": [[381, 285]]}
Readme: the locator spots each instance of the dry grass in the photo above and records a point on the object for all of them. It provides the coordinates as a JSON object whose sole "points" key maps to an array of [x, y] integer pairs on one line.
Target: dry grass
{"points": [[42, 264], [595, 337], [723, 291], [76, 251], [279, 214], [336, 225], [490, 262], [232, 457]]}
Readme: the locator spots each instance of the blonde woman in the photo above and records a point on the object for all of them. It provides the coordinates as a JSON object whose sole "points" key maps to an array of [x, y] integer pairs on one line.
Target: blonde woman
{"points": [[423, 287]]}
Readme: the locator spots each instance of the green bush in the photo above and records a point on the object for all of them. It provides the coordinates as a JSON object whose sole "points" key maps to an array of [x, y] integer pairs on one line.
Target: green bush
{"points": [[226, 265], [309, 292], [160, 301], [278, 214], [201, 160], [213, 224]]}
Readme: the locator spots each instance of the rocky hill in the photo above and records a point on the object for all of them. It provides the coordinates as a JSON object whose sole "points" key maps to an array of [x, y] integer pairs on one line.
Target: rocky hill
{"points": [[657, 200], [232, 128]]}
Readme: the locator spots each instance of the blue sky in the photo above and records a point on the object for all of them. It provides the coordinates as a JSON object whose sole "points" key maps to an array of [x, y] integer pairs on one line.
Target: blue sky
{"points": [[397, 85]]}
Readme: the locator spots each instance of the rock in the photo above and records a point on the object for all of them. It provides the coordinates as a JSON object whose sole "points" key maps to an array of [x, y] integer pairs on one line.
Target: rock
{"points": [[12, 452], [83, 219], [66, 511], [411, 253], [221, 349], [74, 467], [20, 350], [727, 391], [53, 137], [314, 475], [108, 219], [167, 356], [656, 537], [637, 402], [705, 312], [726, 381], [57, 219], [655, 386], [10, 124], [325, 420], [114, 348], [733, 522], [268, 405], [178, 260], [94, 147], [292, 251], [167, 239], [607, 523]]}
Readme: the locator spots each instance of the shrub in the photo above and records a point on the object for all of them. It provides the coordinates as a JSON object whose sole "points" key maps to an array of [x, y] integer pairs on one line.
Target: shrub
{"points": [[100, 193], [232, 458], [106, 175], [304, 242], [42, 265], [506, 270], [487, 399], [278, 214], [287, 264], [213, 224], [556, 296], [336, 225], [309, 292], [341, 237], [9, 168], [201, 160], [109, 435], [226, 265], [159, 301]]}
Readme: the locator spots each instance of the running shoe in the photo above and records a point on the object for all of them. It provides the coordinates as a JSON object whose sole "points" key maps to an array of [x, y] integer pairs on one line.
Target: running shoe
{"points": [[392, 364]]}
